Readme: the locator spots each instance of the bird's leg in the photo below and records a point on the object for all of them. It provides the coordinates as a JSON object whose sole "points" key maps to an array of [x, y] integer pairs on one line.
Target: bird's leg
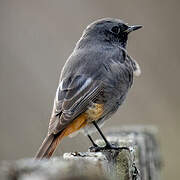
{"points": [[108, 146], [102, 135], [93, 143]]}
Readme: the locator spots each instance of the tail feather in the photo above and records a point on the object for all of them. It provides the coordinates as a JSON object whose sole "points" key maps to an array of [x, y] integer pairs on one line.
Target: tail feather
{"points": [[51, 141], [48, 146]]}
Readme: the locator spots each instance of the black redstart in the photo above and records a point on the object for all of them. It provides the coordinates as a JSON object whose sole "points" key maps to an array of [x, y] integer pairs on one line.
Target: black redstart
{"points": [[93, 84]]}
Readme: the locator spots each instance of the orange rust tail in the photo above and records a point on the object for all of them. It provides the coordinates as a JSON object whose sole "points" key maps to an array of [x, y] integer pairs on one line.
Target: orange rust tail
{"points": [[51, 142], [49, 145]]}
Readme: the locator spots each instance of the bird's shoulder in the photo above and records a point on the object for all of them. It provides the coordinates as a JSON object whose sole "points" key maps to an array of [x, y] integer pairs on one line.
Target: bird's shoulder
{"points": [[91, 61]]}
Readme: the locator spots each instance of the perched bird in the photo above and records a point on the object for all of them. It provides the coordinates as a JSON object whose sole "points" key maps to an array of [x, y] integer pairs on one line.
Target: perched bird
{"points": [[93, 84]]}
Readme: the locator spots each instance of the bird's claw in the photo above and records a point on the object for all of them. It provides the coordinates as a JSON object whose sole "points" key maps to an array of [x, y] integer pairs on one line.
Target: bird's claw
{"points": [[107, 148]]}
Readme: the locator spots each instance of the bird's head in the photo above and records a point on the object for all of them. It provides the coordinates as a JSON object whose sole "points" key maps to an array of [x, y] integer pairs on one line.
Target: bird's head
{"points": [[110, 30]]}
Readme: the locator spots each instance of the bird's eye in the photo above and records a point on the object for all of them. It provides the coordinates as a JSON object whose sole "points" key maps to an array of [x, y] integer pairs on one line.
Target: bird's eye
{"points": [[115, 29]]}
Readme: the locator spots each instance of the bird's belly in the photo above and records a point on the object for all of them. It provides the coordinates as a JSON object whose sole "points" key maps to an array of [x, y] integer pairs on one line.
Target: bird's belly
{"points": [[98, 111], [94, 112]]}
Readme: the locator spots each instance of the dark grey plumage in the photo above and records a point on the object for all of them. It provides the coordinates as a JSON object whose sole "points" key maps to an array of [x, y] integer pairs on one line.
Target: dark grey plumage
{"points": [[98, 64], [99, 70]]}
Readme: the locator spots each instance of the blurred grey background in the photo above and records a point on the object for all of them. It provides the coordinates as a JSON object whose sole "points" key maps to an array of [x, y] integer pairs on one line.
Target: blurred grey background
{"points": [[37, 36]]}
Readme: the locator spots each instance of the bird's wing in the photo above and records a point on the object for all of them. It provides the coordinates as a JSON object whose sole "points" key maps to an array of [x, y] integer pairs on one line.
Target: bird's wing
{"points": [[73, 96], [83, 78]]}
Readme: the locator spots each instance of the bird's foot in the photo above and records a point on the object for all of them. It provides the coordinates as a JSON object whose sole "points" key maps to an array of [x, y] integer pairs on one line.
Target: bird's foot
{"points": [[108, 147]]}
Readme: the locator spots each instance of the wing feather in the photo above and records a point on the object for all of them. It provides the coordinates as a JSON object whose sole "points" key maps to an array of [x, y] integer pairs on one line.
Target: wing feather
{"points": [[73, 96]]}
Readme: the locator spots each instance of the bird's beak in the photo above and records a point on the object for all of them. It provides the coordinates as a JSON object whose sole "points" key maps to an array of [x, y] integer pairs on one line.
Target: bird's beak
{"points": [[133, 28]]}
